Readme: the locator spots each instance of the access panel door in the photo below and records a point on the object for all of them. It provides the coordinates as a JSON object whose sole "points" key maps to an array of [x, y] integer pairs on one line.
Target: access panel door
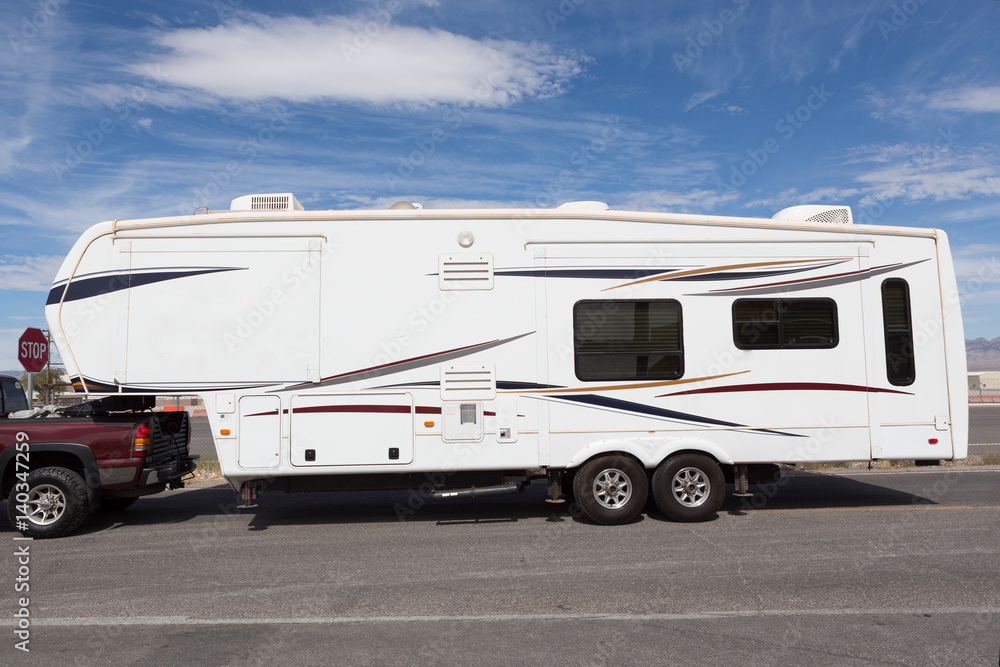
{"points": [[352, 429], [259, 435]]}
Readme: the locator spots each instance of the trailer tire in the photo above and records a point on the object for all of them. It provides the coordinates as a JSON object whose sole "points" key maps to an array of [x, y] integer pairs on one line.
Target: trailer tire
{"points": [[689, 487], [611, 490], [56, 505], [116, 504]]}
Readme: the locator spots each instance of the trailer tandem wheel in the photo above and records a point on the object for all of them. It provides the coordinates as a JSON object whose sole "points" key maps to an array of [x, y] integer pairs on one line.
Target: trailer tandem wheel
{"points": [[611, 489], [689, 487]]}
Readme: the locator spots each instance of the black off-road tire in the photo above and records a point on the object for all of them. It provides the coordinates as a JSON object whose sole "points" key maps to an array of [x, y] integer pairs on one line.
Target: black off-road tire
{"points": [[611, 490], [57, 503], [689, 487], [116, 504]]}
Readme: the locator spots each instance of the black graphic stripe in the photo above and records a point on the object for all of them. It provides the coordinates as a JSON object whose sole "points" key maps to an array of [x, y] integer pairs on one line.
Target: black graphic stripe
{"points": [[90, 287]]}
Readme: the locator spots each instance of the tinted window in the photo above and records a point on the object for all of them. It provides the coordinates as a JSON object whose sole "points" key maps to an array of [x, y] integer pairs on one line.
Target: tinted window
{"points": [[899, 358], [628, 340], [763, 324], [13, 395]]}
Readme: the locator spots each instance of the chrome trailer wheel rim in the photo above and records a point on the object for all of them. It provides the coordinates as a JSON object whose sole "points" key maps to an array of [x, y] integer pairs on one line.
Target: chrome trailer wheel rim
{"points": [[612, 489], [691, 487]]}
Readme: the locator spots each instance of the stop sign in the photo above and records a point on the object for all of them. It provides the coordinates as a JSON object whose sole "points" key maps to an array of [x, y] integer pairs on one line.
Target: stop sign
{"points": [[33, 350]]}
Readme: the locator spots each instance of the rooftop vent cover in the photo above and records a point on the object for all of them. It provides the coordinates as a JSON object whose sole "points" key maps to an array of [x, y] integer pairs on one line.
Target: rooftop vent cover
{"points": [[465, 271], [285, 201], [835, 215]]}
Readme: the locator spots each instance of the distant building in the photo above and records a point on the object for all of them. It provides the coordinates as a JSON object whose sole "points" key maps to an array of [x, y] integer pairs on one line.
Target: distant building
{"points": [[984, 385]]}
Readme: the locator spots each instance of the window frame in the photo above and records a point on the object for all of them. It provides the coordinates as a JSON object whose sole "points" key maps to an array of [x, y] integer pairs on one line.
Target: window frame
{"points": [[912, 377], [781, 345], [679, 352]]}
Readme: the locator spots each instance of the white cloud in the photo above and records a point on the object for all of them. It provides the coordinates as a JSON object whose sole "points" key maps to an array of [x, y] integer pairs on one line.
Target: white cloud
{"points": [[678, 202], [332, 58], [9, 148], [792, 197], [33, 273], [941, 171], [971, 99]]}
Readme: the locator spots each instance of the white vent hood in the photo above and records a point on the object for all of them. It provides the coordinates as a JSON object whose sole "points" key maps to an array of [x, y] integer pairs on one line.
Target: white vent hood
{"points": [[284, 201], [836, 215]]}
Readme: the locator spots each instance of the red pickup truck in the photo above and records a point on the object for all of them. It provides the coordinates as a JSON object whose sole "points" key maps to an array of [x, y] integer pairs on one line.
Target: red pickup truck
{"points": [[99, 455]]}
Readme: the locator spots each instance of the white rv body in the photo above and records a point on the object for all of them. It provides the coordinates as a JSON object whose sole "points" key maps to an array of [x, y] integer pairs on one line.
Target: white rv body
{"points": [[330, 343]]}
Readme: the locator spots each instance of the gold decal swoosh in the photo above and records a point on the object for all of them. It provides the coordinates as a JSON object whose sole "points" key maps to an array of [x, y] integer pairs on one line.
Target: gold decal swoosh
{"points": [[715, 269]]}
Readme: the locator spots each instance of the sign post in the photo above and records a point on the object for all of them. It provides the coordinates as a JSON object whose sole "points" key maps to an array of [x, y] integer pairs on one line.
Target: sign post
{"points": [[33, 353]]}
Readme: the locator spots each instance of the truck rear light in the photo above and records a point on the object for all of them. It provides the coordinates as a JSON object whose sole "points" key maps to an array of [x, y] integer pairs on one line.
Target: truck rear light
{"points": [[140, 440]]}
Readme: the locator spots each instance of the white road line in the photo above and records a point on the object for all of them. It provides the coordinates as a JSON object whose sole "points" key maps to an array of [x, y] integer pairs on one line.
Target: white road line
{"points": [[492, 618]]}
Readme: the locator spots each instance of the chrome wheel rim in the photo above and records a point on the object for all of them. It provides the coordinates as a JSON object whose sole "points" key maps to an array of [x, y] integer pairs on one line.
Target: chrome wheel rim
{"points": [[612, 489], [691, 487], [46, 504]]}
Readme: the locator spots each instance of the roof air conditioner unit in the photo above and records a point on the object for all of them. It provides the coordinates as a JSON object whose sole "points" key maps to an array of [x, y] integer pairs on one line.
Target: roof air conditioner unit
{"points": [[270, 202], [837, 215]]}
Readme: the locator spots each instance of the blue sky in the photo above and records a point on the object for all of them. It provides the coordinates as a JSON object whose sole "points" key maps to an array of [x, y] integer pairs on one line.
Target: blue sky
{"points": [[737, 107]]}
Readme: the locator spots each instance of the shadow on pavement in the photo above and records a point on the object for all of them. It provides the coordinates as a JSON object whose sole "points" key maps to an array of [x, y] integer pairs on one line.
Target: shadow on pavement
{"points": [[801, 490]]}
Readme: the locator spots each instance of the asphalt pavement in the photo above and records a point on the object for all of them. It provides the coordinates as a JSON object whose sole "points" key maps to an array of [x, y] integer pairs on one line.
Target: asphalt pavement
{"points": [[846, 568]]}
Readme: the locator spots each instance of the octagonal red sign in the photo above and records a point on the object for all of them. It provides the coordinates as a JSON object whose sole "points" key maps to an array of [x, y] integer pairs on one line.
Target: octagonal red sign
{"points": [[33, 350]]}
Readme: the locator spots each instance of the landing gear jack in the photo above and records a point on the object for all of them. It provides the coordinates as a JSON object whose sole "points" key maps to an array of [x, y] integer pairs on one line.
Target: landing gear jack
{"points": [[248, 493], [741, 482]]}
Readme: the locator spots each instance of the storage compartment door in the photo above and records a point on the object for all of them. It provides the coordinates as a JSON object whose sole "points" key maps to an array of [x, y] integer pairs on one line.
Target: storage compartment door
{"points": [[352, 429], [259, 435]]}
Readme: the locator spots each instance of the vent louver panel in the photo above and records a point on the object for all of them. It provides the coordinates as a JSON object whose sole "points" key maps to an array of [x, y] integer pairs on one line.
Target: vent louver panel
{"points": [[839, 216], [270, 203], [465, 272], [465, 382]]}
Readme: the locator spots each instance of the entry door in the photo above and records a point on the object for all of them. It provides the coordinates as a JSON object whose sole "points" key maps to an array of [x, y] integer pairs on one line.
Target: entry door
{"points": [[906, 350]]}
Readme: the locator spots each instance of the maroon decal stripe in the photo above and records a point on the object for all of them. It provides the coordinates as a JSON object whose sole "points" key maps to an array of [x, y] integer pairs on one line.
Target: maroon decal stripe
{"points": [[397, 409], [788, 386], [386, 409], [406, 361]]}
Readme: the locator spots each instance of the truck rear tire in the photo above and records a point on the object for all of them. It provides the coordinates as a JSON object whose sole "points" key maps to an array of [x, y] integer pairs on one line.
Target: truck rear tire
{"points": [[611, 490], [689, 487], [56, 503]]}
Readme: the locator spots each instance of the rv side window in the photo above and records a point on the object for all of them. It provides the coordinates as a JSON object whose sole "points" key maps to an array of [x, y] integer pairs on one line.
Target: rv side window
{"points": [[899, 363], [773, 324], [628, 340]]}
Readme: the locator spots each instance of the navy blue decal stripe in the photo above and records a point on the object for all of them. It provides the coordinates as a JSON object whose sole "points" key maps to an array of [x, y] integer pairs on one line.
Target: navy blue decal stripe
{"points": [[629, 406], [607, 274], [90, 287]]}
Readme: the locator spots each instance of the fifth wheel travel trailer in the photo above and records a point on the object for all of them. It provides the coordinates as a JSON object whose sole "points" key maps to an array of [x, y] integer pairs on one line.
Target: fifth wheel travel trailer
{"points": [[468, 352]]}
